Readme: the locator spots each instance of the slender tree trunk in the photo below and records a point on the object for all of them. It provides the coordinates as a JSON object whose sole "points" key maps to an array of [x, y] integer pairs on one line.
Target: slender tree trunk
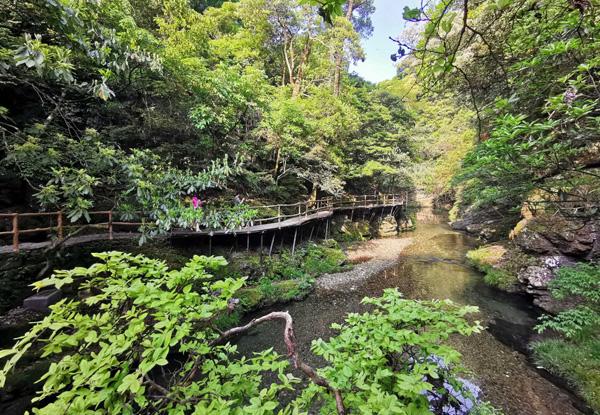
{"points": [[313, 194], [339, 55], [300, 72], [277, 158]]}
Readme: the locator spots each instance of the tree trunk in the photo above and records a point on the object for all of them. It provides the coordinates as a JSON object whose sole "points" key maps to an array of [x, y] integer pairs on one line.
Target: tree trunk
{"points": [[300, 72], [277, 158], [339, 56], [313, 194]]}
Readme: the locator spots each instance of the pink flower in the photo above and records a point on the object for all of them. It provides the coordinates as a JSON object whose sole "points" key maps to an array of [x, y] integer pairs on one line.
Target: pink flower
{"points": [[195, 202]]}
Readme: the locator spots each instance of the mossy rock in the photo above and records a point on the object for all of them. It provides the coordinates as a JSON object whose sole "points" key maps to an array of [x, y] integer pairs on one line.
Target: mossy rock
{"points": [[486, 256], [489, 259], [281, 291]]}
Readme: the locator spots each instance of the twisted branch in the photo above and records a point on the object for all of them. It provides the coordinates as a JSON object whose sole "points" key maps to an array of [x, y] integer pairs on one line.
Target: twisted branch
{"points": [[290, 343]]}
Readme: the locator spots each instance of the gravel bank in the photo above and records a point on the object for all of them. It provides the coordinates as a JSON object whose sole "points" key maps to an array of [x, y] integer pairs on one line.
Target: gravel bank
{"points": [[371, 258]]}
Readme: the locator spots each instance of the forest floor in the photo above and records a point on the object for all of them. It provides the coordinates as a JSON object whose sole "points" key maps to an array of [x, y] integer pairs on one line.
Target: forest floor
{"points": [[369, 258]]}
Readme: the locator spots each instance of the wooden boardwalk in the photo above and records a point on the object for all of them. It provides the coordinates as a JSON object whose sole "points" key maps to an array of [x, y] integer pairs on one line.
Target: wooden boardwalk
{"points": [[303, 213]]}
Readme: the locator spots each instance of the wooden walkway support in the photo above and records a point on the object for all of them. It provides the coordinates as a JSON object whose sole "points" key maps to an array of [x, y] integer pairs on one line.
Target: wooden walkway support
{"points": [[288, 216]]}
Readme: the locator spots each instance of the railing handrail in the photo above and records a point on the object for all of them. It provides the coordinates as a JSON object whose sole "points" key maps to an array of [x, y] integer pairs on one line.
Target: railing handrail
{"points": [[305, 208]]}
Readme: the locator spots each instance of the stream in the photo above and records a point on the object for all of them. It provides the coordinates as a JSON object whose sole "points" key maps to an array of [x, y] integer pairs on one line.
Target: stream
{"points": [[433, 267]]}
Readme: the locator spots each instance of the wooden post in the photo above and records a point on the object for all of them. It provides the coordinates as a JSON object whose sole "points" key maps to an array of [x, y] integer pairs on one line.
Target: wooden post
{"points": [[272, 242], [262, 237], [59, 225], [247, 242], [327, 229], [15, 229], [311, 232], [294, 243], [365, 200], [209, 245], [299, 209], [278, 213], [110, 225]]}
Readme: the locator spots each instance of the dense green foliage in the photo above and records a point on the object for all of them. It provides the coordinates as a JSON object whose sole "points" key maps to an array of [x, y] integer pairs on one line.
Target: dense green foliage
{"points": [[141, 339], [133, 106], [530, 70], [487, 259], [440, 132], [576, 356], [392, 354]]}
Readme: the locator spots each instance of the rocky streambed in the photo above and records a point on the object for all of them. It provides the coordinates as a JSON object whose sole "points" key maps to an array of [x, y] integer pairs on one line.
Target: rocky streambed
{"points": [[426, 264]]}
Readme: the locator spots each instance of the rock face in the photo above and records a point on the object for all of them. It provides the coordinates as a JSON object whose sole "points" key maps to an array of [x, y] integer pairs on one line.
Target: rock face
{"points": [[345, 228], [386, 226], [536, 278], [485, 224], [540, 243], [556, 235]]}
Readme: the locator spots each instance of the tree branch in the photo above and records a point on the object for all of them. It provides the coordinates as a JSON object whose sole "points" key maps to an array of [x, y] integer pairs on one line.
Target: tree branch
{"points": [[290, 343]]}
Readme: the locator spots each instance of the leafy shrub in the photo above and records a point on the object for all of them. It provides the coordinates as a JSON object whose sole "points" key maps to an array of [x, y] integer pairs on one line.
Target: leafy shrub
{"points": [[139, 323], [308, 262], [582, 282], [487, 259], [322, 259], [141, 339], [577, 357], [393, 358], [266, 287]]}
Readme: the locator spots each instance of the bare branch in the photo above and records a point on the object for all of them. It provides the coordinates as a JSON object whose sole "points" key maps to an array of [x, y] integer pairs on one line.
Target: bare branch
{"points": [[290, 343]]}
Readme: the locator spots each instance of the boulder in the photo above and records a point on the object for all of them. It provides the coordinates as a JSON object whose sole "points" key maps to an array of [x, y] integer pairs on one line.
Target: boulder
{"points": [[387, 226], [346, 229], [558, 235], [534, 242], [536, 279], [486, 224]]}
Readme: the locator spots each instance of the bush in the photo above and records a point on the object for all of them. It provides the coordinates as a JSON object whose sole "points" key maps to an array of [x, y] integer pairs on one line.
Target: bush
{"points": [[577, 356], [578, 363], [139, 323], [394, 360], [141, 339]]}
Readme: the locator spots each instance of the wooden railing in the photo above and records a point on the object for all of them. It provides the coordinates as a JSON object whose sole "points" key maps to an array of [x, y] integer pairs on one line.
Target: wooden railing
{"points": [[284, 212]]}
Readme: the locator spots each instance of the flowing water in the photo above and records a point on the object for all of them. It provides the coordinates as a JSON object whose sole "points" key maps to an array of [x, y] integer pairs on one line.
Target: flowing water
{"points": [[433, 266]]}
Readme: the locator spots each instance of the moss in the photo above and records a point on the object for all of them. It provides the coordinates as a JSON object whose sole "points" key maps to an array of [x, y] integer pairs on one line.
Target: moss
{"points": [[353, 231], [578, 363], [271, 292], [489, 260], [309, 261], [489, 255], [250, 297], [499, 278]]}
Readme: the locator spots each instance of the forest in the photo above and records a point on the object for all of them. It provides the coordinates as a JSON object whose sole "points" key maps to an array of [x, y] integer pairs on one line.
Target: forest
{"points": [[254, 184]]}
